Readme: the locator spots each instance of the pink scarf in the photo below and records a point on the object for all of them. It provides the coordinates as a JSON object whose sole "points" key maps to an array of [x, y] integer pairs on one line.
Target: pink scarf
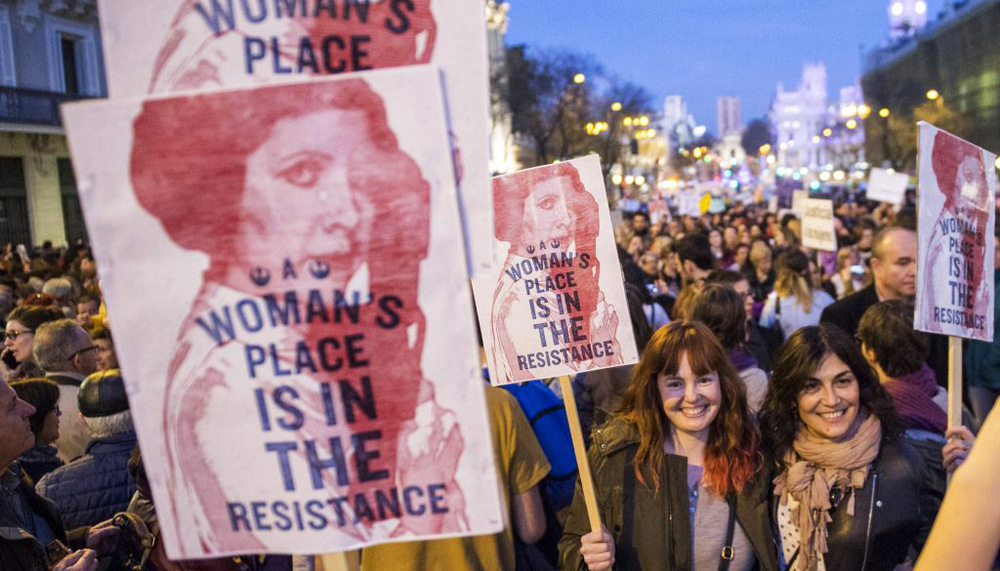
{"points": [[816, 466]]}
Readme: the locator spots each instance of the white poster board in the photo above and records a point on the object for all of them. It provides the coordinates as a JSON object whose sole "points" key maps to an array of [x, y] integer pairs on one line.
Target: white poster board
{"points": [[886, 186], [300, 337], [194, 45], [955, 236], [817, 225], [556, 303], [799, 198]]}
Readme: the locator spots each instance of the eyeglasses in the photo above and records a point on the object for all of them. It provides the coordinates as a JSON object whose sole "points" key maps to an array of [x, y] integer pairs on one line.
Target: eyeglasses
{"points": [[12, 335], [84, 350]]}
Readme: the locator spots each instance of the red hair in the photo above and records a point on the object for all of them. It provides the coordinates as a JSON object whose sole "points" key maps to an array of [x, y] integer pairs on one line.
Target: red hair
{"points": [[732, 455]]}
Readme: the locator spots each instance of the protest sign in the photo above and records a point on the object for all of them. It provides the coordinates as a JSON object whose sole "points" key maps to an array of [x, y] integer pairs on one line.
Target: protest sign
{"points": [[886, 186], [704, 203], [306, 380], [784, 187], [689, 205], [556, 304], [817, 225], [799, 198], [955, 236], [193, 45]]}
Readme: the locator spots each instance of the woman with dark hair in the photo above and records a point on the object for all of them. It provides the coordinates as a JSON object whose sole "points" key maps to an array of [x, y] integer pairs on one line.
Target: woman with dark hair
{"points": [[850, 493], [42, 394], [288, 224], [720, 308], [795, 302], [676, 469], [550, 221], [17, 356]]}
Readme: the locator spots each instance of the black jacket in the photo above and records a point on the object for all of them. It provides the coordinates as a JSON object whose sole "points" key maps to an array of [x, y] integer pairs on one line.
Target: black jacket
{"points": [[892, 512], [653, 531], [846, 313], [19, 550]]}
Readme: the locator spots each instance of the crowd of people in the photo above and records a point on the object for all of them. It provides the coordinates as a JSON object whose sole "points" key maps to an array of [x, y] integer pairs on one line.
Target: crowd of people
{"points": [[784, 414]]}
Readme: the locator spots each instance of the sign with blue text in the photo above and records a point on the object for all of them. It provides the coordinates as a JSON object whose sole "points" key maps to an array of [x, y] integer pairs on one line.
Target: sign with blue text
{"points": [[307, 380], [556, 303], [955, 233]]}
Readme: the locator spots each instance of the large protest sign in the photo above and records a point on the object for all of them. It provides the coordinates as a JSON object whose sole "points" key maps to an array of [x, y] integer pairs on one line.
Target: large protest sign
{"points": [[186, 45], [556, 304], [955, 236], [887, 186], [799, 198], [817, 225], [284, 270]]}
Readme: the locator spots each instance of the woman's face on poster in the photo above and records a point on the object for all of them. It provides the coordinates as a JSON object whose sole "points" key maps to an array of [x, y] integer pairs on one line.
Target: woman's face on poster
{"points": [[299, 204], [547, 216], [971, 184]]}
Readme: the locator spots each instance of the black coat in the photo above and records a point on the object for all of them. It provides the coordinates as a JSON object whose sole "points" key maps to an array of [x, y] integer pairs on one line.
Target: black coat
{"points": [[19, 550], [653, 531], [892, 512]]}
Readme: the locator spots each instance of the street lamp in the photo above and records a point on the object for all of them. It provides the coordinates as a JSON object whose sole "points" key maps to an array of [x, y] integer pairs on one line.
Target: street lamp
{"points": [[616, 106], [883, 112], [827, 132], [933, 94], [852, 124], [579, 78]]}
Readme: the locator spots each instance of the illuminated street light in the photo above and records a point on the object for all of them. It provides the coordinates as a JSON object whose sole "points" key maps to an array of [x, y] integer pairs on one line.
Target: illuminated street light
{"points": [[897, 8], [617, 179], [827, 132], [883, 112], [864, 111], [920, 7], [852, 124], [839, 175], [765, 149], [627, 121], [770, 159], [933, 94], [816, 138], [579, 78], [644, 120], [640, 180], [629, 179], [824, 176], [996, 163], [616, 106]]}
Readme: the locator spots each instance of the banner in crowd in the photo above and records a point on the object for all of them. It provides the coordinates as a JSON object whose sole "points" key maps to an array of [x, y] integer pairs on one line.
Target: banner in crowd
{"points": [[887, 186], [194, 45], [556, 304], [818, 231], [956, 242], [306, 379]]}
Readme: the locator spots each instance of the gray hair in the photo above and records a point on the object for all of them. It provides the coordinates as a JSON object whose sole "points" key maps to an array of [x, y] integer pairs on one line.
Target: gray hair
{"points": [[53, 344], [59, 288], [102, 426]]}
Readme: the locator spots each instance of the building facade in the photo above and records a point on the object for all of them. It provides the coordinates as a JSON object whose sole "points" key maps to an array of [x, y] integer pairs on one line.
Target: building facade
{"points": [[957, 55], [730, 117], [50, 53], [797, 117]]}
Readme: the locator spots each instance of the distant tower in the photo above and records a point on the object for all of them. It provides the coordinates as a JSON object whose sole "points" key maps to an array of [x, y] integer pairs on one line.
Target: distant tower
{"points": [[729, 116], [906, 17]]}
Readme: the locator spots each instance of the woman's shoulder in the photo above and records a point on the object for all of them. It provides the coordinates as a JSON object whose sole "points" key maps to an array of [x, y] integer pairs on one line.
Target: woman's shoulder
{"points": [[613, 433]]}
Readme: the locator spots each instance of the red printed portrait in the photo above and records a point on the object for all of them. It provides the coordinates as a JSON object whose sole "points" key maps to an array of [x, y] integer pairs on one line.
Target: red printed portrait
{"points": [[300, 359], [958, 239], [552, 224]]}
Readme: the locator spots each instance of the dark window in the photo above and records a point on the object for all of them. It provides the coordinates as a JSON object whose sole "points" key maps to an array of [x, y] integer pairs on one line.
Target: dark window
{"points": [[71, 78], [72, 213], [14, 225]]}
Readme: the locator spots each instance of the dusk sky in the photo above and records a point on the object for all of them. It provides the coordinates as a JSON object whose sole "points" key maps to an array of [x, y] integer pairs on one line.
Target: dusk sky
{"points": [[703, 49]]}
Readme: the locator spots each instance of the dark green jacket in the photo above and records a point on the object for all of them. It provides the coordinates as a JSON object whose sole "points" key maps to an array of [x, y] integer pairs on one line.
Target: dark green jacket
{"points": [[658, 533]]}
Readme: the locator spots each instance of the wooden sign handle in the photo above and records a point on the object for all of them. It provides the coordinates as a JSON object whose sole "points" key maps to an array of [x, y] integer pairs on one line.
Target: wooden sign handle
{"points": [[954, 384], [586, 480]]}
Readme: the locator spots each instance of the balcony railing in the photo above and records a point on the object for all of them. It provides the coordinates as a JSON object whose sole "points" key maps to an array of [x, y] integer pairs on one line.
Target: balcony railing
{"points": [[32, 106]]}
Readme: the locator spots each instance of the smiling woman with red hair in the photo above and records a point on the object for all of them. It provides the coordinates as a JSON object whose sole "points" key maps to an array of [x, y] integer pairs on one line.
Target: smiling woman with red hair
{"points": [[676, 469]]}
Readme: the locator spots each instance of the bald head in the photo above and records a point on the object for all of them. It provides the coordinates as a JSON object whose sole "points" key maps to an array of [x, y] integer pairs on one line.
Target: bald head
{"points": [[894, 263]]}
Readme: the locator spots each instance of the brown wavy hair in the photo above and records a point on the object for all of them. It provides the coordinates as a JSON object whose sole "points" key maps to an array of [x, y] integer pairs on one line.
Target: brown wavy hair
{"points": [[732, 456]]}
